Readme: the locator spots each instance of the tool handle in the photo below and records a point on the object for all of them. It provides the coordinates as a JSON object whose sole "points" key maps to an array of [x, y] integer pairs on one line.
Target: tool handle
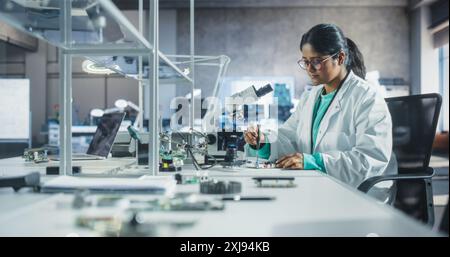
{"points": [[258, 136]]}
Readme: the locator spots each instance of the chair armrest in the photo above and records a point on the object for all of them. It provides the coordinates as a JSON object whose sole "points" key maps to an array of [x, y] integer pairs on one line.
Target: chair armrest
{"points": [[367, 184]]}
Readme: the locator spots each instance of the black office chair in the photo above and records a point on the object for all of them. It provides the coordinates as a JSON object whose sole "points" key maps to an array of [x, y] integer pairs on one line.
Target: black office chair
{"points": [[443, 227], [414, 120]]}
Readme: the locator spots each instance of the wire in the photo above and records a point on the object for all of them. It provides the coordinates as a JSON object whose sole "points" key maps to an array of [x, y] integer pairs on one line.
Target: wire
{"points": [[189, 151], [194, 161], [212, 165], [181, 135], [200, 166]]}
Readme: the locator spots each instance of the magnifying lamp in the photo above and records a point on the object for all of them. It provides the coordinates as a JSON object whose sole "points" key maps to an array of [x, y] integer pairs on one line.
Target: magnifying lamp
{"points": [[129, 107], [95, 114]]}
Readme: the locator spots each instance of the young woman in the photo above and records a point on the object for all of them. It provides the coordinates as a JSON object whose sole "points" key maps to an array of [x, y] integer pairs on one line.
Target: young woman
{"points": [[342, 126]]}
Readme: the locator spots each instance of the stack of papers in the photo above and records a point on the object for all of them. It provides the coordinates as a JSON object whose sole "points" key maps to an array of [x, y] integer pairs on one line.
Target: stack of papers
{"points": [[145, 185]]}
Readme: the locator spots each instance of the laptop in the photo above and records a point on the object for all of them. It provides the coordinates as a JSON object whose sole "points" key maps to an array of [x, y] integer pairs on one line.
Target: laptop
{"points": [[103, 139]]}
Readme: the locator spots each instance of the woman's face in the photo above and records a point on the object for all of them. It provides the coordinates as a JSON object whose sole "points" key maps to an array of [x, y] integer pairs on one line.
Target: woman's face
{"points": [[322, 69]]}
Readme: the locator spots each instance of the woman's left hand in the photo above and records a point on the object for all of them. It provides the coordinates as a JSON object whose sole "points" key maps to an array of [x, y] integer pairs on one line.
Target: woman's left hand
{"points": [[292, 161]]}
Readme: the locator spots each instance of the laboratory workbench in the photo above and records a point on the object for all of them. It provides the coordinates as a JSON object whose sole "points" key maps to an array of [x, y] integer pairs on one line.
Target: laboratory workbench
{"points": [[318, 205]]}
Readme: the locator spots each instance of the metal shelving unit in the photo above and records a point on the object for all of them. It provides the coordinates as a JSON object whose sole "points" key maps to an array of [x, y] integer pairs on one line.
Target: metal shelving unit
{"points": [[97, 28]]}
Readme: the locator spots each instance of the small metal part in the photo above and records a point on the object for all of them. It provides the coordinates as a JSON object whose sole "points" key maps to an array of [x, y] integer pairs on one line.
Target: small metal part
{"points": [[179, 178]]}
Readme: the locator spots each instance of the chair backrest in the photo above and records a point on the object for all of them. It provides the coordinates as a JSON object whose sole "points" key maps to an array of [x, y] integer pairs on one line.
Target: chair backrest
{"points": [[414, 120], [443, 227]]}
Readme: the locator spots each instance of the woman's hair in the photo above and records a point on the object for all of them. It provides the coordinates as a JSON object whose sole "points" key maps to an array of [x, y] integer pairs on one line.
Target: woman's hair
{"points": [[328, 39]]}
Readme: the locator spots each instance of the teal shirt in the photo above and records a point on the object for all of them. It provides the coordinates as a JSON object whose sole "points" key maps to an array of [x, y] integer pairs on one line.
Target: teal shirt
{"points": [[315, 161], [263, 153], [310, 161]]}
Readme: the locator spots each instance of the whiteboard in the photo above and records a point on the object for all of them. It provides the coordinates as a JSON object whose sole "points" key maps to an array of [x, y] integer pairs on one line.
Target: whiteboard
{"points": [[14, 109]]}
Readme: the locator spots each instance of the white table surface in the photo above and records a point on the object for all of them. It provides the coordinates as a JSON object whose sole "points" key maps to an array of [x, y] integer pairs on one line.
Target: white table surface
{"points": [[318, 206]]}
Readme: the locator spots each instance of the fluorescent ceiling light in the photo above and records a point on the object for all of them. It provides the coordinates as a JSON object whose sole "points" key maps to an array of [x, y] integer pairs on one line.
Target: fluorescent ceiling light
{"points": [[89, 66]]}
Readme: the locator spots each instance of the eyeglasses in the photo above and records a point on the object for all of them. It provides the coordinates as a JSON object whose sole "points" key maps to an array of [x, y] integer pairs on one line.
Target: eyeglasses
{"points": [[316, 63]]}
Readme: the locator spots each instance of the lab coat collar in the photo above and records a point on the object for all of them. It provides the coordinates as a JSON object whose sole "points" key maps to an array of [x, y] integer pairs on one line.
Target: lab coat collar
{"points": [[346, 86]]}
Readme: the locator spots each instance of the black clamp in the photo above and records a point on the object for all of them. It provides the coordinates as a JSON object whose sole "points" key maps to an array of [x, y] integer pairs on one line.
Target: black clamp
{"points": [[17, 182]]}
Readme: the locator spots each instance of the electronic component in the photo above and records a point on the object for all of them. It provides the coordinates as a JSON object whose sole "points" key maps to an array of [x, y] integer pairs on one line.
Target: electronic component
{"points": [[274, 181], [37, 155], [170, 160], [167, 165], [219, 142], [220, 187], [179, 202], [132, 224], [226, 147], [230, 159], [260, 164], [19, 181], [190, 203], [171, 152], [183, 179]]}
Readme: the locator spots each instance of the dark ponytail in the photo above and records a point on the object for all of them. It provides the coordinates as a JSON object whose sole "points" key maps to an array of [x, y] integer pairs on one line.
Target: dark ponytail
{"points": [[355, 59], [329, 39]]}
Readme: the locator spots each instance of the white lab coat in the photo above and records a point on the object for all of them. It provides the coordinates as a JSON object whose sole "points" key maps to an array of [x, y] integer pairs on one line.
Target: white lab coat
{"points": [[355, 135]]}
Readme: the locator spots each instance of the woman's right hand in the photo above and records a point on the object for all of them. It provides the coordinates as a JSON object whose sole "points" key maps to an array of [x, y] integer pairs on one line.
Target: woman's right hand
{"points": [[251, 135]]}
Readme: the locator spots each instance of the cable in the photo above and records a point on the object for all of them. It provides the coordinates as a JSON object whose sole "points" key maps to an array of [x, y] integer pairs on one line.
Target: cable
{"points": [[196, 164], [194, 161], [189, 151], [215, 160]]}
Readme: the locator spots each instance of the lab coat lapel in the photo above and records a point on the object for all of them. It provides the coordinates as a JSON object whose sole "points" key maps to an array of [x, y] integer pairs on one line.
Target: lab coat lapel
{"points": [[308, 115], [334, 108]]}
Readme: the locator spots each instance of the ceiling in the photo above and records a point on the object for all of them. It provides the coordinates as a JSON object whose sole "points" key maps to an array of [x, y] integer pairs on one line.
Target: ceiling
{"points": [[133, 4]]}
